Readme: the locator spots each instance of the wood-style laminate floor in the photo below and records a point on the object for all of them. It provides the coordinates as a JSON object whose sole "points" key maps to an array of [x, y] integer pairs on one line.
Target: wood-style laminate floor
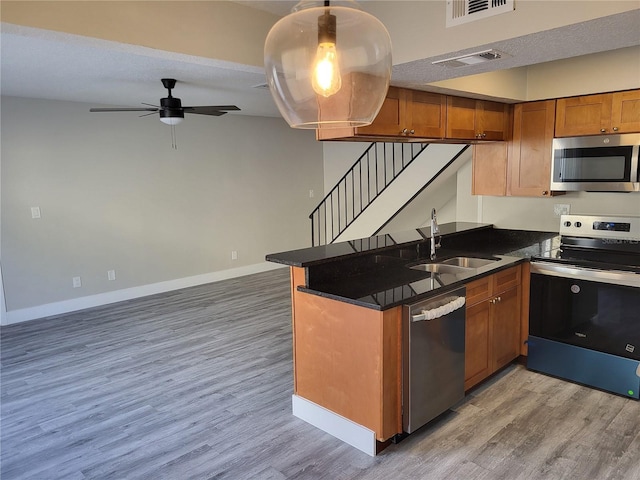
{"points": [[197, 383]]}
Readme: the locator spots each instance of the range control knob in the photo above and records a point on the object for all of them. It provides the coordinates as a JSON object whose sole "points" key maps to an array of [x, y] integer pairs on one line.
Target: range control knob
{"points": [[567, 224], [578, 224]]}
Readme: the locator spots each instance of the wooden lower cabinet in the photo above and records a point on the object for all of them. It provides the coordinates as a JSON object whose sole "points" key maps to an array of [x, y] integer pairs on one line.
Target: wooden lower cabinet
{"points": [[348, 359], [492, 331]]}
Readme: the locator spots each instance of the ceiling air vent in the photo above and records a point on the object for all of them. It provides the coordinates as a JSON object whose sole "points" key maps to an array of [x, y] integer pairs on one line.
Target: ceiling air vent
{"points": [[471, 58], [465, 11]]}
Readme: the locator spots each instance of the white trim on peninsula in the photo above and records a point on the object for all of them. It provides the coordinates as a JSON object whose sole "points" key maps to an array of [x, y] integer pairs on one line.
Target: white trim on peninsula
{"points": [[340, 427]]}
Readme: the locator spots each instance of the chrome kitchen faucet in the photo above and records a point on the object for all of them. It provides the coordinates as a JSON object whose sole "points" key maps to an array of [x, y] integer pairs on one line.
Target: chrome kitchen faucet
{"points": [[435, 233]]}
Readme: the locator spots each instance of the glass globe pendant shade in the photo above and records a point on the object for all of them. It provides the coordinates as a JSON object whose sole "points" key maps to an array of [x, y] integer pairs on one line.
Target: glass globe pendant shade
{"points": [[328, 65]]}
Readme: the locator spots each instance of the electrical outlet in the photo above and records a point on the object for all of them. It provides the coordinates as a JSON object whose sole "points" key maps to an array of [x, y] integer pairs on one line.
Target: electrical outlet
{"points": [[111, 275], [561, 209], [234, 255], [35, 212], [77, 282]]}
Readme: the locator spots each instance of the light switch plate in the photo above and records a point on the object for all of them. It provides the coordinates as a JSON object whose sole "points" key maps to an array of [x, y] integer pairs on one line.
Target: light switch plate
{"points": [[35, 212]]}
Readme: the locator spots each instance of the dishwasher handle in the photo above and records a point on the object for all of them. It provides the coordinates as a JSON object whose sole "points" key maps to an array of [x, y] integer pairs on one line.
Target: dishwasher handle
{"points": [[440, 311]]}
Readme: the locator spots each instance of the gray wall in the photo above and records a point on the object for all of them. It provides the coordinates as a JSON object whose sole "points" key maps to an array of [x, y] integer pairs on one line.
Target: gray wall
{"points": [[114, 195]]}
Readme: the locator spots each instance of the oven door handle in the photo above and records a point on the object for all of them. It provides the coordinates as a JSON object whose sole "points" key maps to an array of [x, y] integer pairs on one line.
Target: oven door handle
{"points": [[615, 277]]}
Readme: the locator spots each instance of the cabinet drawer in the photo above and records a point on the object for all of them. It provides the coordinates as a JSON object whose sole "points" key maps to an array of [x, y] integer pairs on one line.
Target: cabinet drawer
{"points": [[506, 279], [479, 290], [484, 288]]}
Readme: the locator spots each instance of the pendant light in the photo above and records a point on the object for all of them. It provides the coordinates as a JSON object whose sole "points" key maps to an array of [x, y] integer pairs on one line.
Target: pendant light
{"points": [[328, 65]]}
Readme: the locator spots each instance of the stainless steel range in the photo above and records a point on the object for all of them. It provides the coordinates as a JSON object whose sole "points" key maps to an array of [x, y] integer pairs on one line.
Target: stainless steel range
{"points": [[584, 315]]}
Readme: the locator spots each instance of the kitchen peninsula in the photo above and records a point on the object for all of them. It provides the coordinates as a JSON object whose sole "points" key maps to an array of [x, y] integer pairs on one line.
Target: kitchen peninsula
{"points": [[347, 307]]}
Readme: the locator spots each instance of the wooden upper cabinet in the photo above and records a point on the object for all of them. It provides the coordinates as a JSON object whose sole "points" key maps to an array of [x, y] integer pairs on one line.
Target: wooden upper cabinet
{"points": [[598, 114], [469, 119], [625, 111], [389, 118], [489, 169], [529, 157], [426, 114], [405, 114]]}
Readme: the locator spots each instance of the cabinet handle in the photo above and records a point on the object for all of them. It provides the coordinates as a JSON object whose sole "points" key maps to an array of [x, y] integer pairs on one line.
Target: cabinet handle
{"points": [[484, 135], [499, 299], [412, 131], [545, 192], [615, 129], [404, 131], [603, 130]]}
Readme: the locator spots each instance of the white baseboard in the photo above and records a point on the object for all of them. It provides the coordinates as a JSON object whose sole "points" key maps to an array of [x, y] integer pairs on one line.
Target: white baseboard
{"points": [[72, 305], [340, 427]]}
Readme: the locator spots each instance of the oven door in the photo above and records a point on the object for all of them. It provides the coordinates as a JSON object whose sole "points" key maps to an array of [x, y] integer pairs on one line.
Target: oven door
{"points": [[592, 309], [584, 326]]}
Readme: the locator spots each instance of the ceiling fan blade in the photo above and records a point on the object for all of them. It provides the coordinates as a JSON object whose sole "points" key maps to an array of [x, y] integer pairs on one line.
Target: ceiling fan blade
{"points": [[123, 109], [215, 110]]}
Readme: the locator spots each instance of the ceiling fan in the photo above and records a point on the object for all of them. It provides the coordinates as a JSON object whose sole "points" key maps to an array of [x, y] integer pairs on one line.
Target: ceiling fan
{"points": [[171, 110]]}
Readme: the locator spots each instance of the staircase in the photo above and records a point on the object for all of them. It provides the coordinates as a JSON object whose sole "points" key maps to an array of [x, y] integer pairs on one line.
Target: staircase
{"points": [[391, 174]]}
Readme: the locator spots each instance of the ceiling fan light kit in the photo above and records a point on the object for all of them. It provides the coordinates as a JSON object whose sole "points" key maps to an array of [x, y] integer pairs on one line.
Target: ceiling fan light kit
{"points": [[328, 65]]}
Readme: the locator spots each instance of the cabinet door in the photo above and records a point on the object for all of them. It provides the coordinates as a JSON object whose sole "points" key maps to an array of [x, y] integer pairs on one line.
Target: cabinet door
{"points": [[489, 169], [625, 112], [461, 118], [492, 120], [530, 151], [587, 115], [389, 120], [426, 114], [505, 328], [477, 363]]}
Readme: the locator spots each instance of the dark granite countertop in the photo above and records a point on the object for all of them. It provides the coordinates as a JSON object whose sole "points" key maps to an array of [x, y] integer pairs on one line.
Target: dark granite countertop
{"points": [[307, 257], [375, 272]]}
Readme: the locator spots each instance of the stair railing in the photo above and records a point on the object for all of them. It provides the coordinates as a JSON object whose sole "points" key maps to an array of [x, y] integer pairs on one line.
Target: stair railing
{"points": [[367, 178]]}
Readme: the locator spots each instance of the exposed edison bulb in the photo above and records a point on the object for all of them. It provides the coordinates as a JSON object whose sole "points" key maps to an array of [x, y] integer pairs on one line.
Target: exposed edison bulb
{"points": [[326, 72]]}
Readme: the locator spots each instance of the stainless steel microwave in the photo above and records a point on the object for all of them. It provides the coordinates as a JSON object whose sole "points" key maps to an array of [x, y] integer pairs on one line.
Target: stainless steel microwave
{"points": [[603, 163]]}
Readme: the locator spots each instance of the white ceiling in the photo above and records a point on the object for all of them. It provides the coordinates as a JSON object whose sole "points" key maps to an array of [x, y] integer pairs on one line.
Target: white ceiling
{"points": [[52, 65]]}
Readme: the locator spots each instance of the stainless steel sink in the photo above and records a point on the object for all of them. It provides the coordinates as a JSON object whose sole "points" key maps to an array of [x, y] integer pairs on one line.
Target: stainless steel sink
{"points": [[441, 268], [454, 265], [468, 262]]}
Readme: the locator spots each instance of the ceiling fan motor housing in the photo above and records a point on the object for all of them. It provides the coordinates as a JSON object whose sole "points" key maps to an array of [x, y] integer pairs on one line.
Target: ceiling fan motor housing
{"points": [[171, 108]]}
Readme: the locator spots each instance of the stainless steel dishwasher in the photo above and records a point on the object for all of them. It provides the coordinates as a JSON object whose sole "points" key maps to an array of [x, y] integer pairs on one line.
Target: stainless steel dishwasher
{"points": [[433, 357]]}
